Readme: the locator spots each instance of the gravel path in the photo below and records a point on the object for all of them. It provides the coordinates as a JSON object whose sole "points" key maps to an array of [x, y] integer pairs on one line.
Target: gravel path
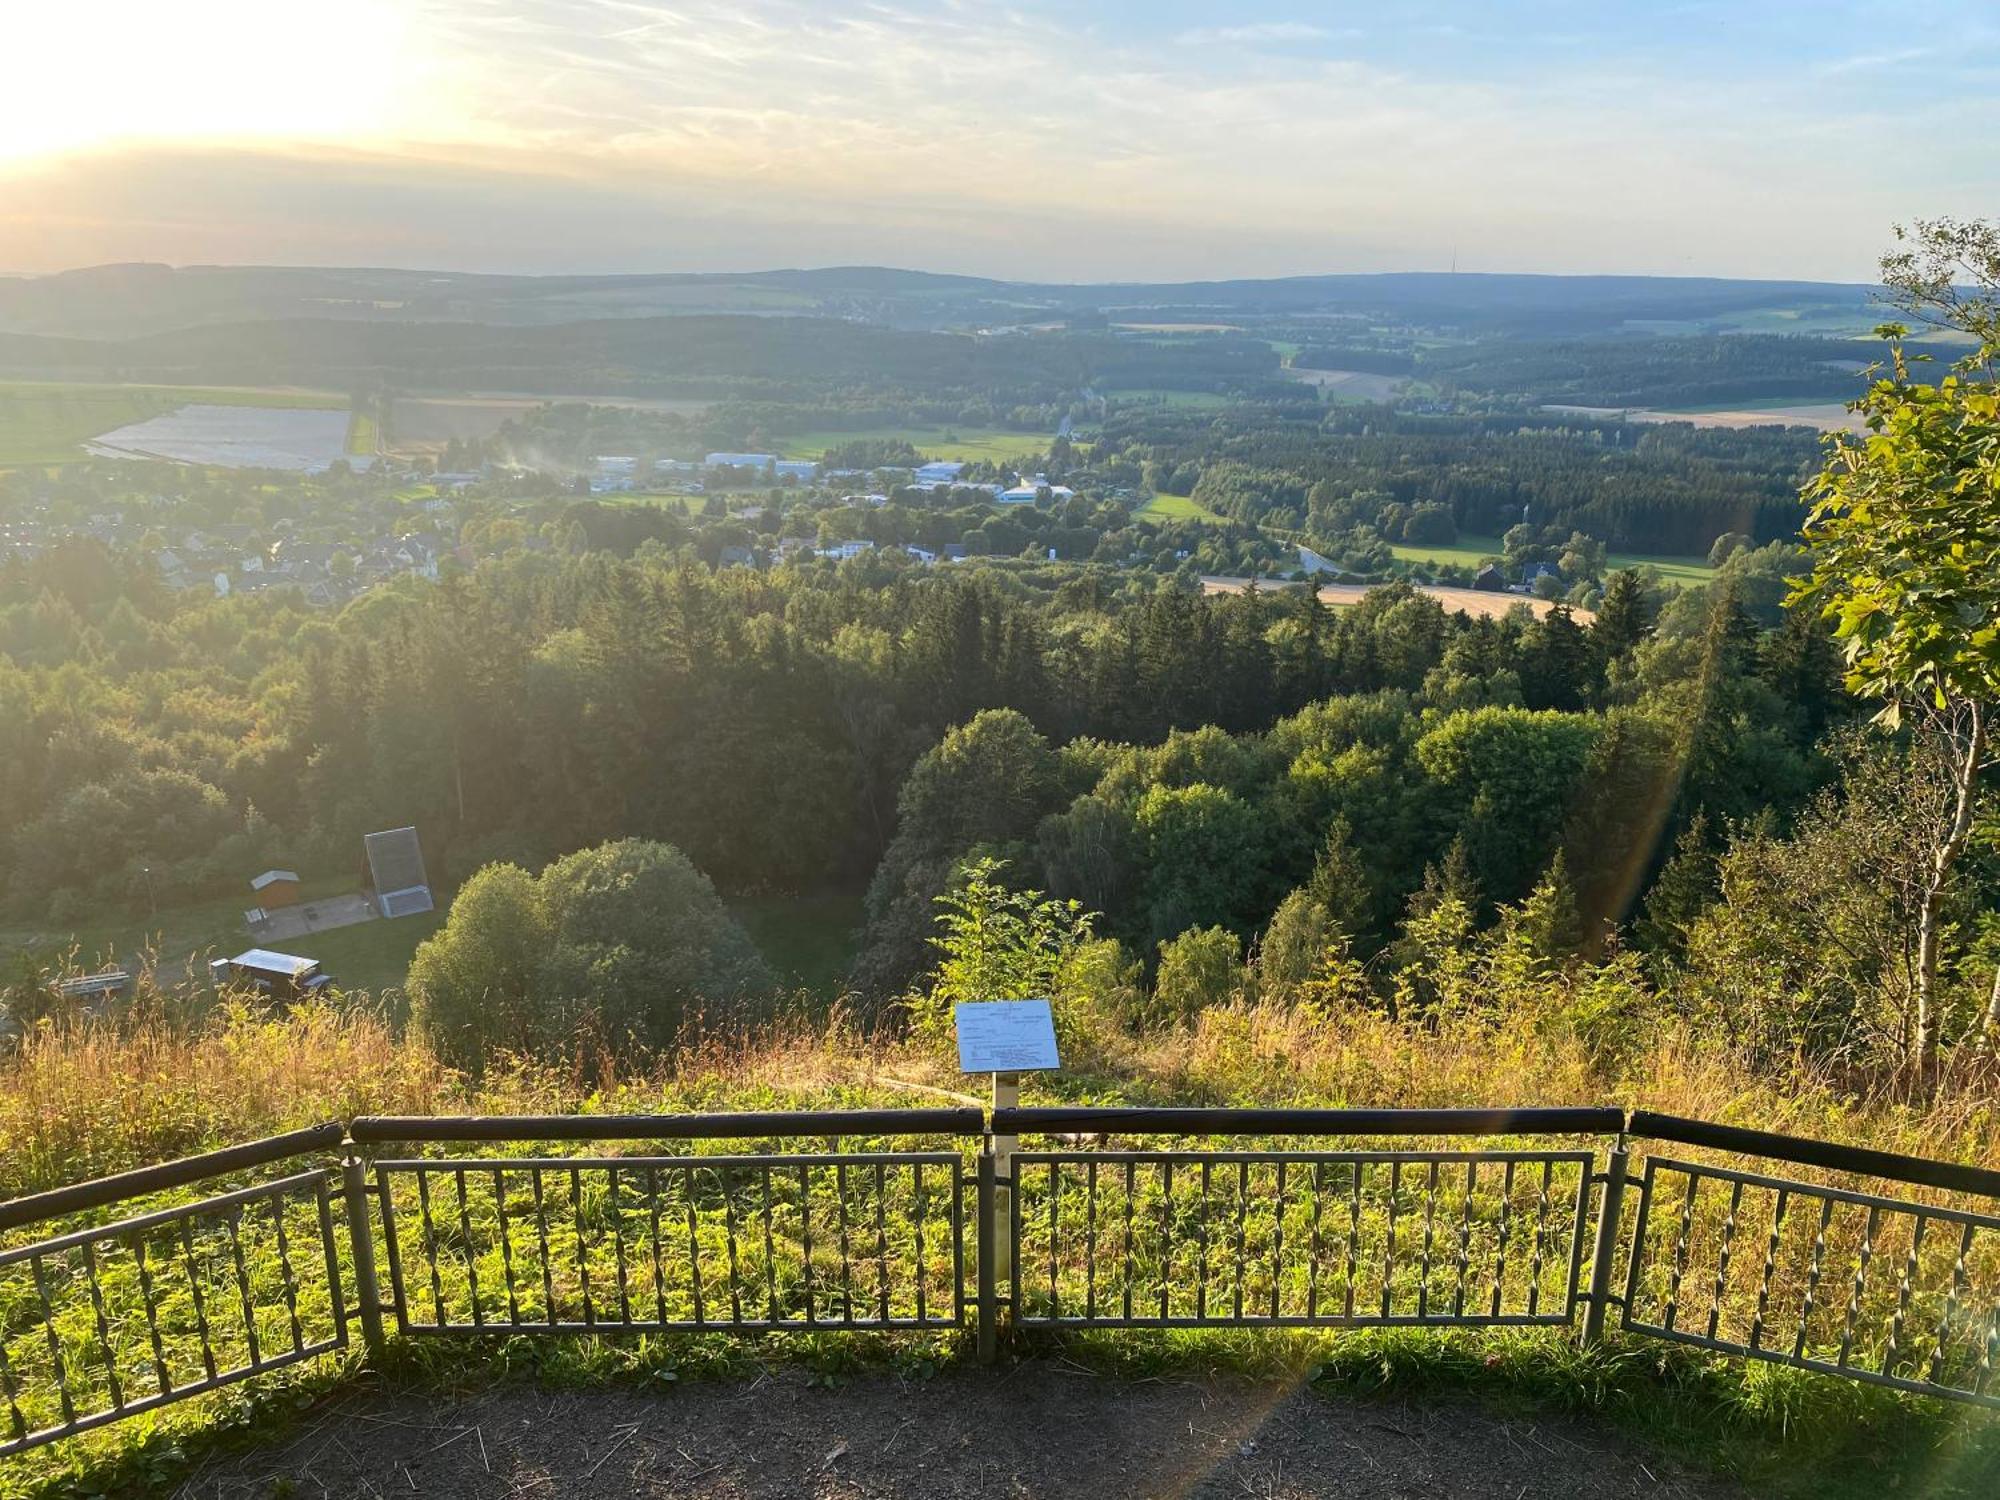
{"points": [[1039, 1429]]}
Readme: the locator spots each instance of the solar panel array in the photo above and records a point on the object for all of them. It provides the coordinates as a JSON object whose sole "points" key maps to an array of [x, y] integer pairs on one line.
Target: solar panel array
{"points": [[396, 866]]}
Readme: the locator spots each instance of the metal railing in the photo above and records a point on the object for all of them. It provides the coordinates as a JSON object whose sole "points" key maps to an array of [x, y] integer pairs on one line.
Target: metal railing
{"points": [[117, 1298]]}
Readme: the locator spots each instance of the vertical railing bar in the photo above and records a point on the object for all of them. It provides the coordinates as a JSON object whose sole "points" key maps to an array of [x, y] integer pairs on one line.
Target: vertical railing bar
{"points": [[582, 1246], [1541, 1237], [1989, 1353], [1903, 1290], [430, 1244], [1598, 1298], [1090, 1240], [957, 1177], [287, 1279], [1201, 1242], [1866, 1255], [357, 1229], [471, 1252], [545, 1244], [1316, 1240], [694, 1241], [506, 1233], [150, 1301], [1506, 1227], [1949, 1315], [1389, 1250], [882, 1241], [199, 1298], [727, 1177], [364, 1258], [1356, 1168], [1778, 1209], [617, 1216], [1240, 1273], [1682, 1248], [113, 1383], [232, 1222], [60, 1368], [1465, 1237], [658, 1245], [1055, 1201], [923, 1261], [1430, 1226], [1131, 1191], [1278, 1243], [1167, 1238], [1722, 1257], [806, 1238], [846, 1271], [770, 1254], [1813, 1271]]}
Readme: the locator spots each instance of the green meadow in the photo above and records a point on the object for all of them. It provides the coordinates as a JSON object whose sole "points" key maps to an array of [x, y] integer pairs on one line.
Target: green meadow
{"points": [[965, 443], [1164, 507], [1471, 551]]}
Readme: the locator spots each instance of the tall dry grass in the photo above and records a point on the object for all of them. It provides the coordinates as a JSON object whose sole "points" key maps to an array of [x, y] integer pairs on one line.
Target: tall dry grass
{"points": [[80, 1098]]}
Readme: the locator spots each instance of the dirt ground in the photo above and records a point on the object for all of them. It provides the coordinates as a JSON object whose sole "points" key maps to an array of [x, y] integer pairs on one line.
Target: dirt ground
{"points": [[1040, 1429]]}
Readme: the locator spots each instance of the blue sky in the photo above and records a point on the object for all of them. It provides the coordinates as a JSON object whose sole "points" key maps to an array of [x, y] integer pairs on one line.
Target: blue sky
{"points": [[1061, 141]]}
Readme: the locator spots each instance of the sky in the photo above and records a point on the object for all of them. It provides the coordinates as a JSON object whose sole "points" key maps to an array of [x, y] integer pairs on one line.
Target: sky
{"points": [[1073, 141]]}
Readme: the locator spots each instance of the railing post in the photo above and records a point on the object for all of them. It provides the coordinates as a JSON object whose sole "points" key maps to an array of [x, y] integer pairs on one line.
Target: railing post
{"points": [[1608, 1213], [368, 1295], [989, 1255]]}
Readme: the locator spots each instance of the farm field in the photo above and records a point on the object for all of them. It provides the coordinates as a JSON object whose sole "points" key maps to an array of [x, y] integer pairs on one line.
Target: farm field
{"points": [[1342, 595], [48, 422], [966, 443], [1199, 400], [1827, 416], [1471, 551], [234, 437], [1164, 507], [364, 435], [1350, 385]]}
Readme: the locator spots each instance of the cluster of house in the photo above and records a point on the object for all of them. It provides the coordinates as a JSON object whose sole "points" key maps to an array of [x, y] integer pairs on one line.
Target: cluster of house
{"points": [[229, 560], [614, 473]]}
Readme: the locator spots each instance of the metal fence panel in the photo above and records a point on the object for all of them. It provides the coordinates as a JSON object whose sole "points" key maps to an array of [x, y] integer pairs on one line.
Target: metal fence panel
{"points": [[116, 1319], [675, 1243], [1298, 1239], [1883, 1290]]}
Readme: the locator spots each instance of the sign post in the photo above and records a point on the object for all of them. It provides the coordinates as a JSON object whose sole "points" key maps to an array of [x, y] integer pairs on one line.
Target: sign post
{"points": [[1005, 1038]]}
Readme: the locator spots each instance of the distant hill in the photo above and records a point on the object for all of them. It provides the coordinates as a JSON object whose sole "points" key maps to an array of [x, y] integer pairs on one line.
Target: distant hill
{"points": [[126, 301]]}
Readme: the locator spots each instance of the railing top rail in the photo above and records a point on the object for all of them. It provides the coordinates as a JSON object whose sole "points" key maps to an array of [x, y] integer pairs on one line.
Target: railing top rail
{"points": [[80, 1196], [1142, 1120], [1922, 1171], [378, 1129]]}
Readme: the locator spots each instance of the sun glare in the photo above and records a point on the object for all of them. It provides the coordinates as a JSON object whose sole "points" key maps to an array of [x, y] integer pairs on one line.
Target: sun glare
{"points": [[88, 73]]}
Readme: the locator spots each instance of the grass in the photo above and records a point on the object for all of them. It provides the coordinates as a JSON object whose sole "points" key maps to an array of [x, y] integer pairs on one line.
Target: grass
{"points": [[966, 443], [1471, 551], [364, 435], [1165, 507], [50, 421], [369, 955], [1197, 400]]}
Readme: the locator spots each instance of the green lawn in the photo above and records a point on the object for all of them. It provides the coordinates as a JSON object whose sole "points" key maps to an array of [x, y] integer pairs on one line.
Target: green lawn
{"points": [[1471, 551], [363, 435], [369, 955], [1164, 507], [1203, 400], [966, 443], [45, 422]]}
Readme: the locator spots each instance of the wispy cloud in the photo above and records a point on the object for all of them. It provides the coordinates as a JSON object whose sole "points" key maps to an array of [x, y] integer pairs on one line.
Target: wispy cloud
{"points": [[1871, 62], [1262, 34]]}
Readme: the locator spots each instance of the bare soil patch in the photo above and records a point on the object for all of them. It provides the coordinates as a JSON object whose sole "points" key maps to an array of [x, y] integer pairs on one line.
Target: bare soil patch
{"points": [[1041, 1428]]}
